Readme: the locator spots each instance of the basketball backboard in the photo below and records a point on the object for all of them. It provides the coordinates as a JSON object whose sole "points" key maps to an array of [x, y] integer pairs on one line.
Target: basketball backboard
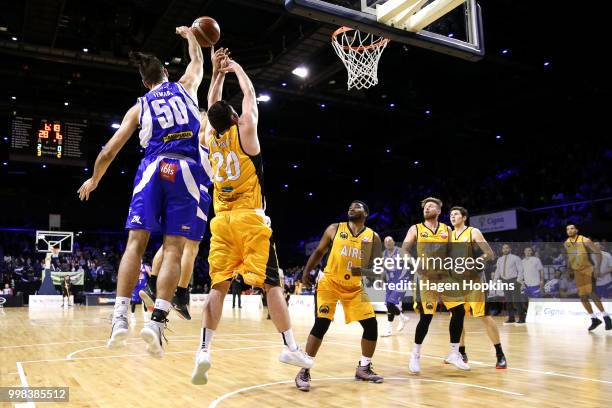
{"points": [[47, 240], [452, 27]]}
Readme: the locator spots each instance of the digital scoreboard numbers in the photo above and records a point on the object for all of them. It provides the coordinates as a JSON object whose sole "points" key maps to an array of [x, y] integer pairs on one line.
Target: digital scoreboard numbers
{"points": [[47, 140], [50, 140]]}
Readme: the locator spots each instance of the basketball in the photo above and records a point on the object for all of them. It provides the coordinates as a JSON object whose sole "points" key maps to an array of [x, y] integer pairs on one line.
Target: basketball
{"points": [[207, 31]]}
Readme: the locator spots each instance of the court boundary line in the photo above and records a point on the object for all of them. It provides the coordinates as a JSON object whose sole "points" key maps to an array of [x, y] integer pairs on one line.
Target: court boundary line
{"points": [[24, 383], [230, 394], [142, 355], [71, 355]]}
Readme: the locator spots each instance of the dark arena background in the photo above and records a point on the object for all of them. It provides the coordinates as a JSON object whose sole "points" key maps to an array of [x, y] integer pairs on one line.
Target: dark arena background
{"points": [[500, 107]]}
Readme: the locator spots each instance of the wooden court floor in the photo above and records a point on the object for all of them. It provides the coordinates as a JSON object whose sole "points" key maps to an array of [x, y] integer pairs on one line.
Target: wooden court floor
{"points": [[550, 366]]}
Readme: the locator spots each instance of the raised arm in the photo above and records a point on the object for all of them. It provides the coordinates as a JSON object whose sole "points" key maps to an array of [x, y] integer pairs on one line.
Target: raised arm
{"points": [[215, 91], [192, 78], [250, 113], [110, 150], [319, 253]]}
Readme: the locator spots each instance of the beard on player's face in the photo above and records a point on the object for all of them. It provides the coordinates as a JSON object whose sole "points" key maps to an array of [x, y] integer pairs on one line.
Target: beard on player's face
{"points": [[430, 214], [356, 216]]}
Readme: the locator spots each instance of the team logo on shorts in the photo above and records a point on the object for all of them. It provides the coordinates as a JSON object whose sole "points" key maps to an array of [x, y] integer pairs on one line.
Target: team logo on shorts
{"points": [[429, 306], [185, 227], [324, 309], [136, 220], [343, 235], [167, 171]]}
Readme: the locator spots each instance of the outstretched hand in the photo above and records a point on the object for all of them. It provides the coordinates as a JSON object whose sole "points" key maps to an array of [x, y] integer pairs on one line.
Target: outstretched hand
{"points": [[183, 31], [219, 58], [230, 66], [85, 190]]}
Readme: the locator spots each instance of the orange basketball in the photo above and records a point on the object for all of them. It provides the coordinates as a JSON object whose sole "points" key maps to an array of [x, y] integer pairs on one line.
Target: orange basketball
{"points": [[206, 30]]}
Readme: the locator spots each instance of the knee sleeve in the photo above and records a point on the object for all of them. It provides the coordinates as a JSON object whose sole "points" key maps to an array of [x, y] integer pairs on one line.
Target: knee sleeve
{"points": [[455, 326], [392, 309], [422, 328], [370, 329], [320, 327]]}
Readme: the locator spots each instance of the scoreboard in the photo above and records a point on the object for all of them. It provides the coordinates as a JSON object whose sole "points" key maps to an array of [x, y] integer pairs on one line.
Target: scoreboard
{"points": [[47, 140]]}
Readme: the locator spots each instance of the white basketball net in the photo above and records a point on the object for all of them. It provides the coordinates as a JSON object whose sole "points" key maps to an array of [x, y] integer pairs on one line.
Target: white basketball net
{"points": [[360, 53]]}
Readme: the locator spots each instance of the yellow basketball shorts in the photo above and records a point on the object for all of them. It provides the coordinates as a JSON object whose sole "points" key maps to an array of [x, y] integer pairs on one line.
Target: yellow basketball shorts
{"points": [[584, 280], [426, 300], [355, 302], [242, 243], [475, 302]]}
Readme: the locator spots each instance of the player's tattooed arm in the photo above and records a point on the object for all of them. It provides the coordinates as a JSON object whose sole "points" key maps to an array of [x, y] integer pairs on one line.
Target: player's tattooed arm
{"points": [[487, 252], [319, 253], [192, 78], [409, 241], [110, 150]]}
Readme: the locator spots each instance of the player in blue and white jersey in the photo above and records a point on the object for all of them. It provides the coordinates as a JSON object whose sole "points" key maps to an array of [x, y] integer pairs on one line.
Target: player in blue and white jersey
{"points": [[393, 298], [167, 188]]}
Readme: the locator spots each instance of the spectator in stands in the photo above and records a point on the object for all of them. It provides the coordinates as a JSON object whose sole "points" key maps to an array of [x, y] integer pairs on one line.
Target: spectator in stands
{"points": [[533, 274], [510, 270], [567, 286], [7, 290], [603, 286], [558, 258], [552, 287]]}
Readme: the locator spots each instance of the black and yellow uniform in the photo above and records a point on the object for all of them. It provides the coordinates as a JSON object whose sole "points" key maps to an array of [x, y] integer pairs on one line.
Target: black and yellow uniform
{"points": [[462, 246], [432, 249], [241, 240], [580, 262], [340, 282]]}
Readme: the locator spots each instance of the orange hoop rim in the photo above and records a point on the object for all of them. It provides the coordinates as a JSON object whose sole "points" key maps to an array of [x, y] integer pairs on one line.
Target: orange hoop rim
{"points": [[342, 30]]}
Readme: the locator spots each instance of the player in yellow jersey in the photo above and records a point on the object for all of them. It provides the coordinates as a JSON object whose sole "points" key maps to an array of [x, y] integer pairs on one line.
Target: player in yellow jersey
{"points": [[578, 249], [463, 240], [432, 238], [352, 247], [241, 241]]}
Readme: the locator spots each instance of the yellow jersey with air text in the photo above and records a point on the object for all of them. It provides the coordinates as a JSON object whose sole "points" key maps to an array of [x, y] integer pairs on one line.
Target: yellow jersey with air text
{"points": [[349, 250], [577, 253], [237, 177]]}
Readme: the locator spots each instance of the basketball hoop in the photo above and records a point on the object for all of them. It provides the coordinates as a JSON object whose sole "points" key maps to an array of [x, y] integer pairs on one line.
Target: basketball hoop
{"points": [[360, 53]]}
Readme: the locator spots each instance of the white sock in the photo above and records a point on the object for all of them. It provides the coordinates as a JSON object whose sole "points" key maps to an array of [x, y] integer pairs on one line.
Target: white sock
{"points": [[289, 340], [365, 361], [405, 315], [416, 349], [162, 304], [593, 315], [454, 347], [121, 306], [206, 336]]}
